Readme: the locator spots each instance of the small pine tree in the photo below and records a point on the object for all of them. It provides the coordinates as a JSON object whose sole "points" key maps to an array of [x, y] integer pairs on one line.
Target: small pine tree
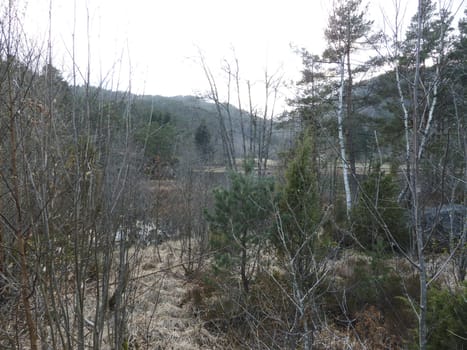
{"points": [[300, 204], [447, 312], [239, 224]]}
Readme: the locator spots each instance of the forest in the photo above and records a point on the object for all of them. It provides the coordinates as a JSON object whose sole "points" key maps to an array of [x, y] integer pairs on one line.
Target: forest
{"points": [[220, 222]]}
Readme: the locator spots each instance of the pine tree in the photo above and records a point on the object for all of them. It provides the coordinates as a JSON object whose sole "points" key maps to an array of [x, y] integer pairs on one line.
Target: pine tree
{"points": [[348, 31], [239, 224]]}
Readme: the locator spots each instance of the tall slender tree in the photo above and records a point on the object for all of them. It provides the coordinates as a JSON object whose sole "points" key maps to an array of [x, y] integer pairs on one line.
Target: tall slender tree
{"points": [[347, 32]]}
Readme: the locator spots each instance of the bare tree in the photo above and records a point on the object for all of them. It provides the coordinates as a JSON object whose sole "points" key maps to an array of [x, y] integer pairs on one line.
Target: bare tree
{"points": [[69, 180], [255, 124], [226, 135], [415, 191], [419, 119], [18, 62]]}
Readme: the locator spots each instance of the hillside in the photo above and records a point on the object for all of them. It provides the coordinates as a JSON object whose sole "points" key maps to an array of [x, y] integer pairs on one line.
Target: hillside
{"points": [[187, 113]]}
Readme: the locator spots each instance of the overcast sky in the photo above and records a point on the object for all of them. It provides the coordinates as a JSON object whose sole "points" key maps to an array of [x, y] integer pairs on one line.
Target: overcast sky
{"points": [[160, 39]]}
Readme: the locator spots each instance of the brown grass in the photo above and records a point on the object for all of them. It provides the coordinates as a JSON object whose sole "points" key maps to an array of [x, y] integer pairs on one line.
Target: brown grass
{"points": [[159, 319]]}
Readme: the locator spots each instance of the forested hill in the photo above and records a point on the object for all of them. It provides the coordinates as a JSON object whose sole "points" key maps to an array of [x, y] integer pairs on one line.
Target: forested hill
{"points": [[167, 126], [177, 119]]}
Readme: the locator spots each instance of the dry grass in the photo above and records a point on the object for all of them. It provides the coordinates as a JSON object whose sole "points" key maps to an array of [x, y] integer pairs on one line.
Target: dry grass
{"points": [[162, 314], [159, 320]]}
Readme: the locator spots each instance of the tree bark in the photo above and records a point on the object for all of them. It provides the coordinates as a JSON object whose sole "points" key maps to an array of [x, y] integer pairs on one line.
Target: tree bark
{"points": [[349, 130], [345, 164]]}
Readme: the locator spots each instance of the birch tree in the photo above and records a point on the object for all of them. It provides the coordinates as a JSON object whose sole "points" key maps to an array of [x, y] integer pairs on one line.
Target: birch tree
{"points": [[415, 191], [348, 31], [435, 44], [419, 64], [342, 148]]}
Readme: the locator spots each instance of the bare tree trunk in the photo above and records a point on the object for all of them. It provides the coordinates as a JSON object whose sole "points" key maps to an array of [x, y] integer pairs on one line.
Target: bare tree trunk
{"points": [[405, 118], [426, 131], [349, 131], [226, 107], [397, 29], [253, 123], [345, 164], [269, 135], [271, 82], [242, 126]]}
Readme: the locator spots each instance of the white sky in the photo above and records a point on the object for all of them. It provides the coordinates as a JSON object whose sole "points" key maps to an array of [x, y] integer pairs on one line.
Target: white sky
{"points": [[159, 39]]}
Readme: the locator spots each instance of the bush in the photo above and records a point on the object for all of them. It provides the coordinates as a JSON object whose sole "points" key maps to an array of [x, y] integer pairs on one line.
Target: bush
{"points": [[446, 317], [371, 286]]}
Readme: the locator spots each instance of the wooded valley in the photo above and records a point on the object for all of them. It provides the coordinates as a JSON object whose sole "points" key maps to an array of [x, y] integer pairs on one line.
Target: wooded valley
{"points": [[219, 222]]}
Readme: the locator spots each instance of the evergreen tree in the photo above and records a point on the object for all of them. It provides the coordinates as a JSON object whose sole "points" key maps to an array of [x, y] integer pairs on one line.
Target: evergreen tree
{"points": [[158, 138], [203, 141], [348, 31], [300, 208], [300, 205], [239, 224], [428, 34], [297, 239]]}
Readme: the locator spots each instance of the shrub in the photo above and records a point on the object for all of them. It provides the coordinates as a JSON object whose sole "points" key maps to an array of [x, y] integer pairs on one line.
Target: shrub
{"points": [[370, 283], [446, 316]]}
